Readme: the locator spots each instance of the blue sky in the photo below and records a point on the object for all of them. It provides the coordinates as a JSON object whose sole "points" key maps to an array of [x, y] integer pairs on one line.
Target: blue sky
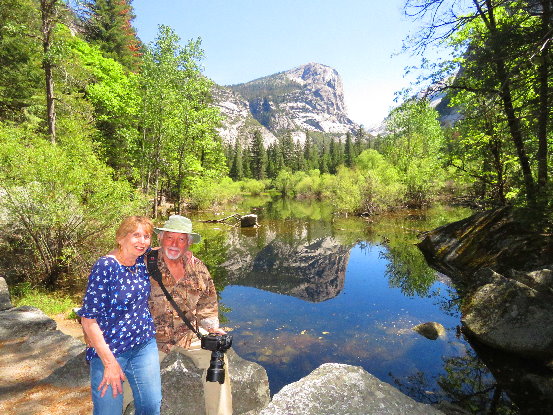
{"points": [[246, 39]]}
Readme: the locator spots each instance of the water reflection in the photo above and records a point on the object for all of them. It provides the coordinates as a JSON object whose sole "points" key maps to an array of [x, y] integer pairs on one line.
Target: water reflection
{"points": [[308, 288]]}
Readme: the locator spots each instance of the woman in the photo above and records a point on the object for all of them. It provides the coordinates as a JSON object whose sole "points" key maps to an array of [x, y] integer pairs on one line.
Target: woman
{"points": [[118, 325]]}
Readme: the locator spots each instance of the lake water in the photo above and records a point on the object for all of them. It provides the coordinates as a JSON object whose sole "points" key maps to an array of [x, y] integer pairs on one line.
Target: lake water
{"points": [[307, 287]]}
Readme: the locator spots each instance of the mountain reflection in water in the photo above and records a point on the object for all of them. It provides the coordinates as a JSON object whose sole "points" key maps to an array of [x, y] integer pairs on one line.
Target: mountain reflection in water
{"points": [[308, 288]]}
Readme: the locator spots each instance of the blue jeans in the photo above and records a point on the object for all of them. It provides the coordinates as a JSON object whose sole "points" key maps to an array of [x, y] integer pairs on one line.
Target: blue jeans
{"points": [[141, 367]]}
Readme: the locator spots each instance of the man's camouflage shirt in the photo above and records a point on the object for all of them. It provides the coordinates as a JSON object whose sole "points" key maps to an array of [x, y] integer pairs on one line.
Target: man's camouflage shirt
{"points": [[195, 295]]}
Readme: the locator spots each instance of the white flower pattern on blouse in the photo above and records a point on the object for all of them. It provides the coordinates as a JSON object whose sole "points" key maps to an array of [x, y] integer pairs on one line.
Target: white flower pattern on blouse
{"points": [[117, 297]]}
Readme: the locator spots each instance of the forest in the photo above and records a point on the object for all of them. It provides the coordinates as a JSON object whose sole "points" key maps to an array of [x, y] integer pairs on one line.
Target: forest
{"points": [[96, 125]]}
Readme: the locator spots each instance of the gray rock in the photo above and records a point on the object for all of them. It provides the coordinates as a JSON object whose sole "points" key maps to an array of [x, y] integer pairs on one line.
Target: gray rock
{"points": [[74, 373], [250, 384], [540, 280], [510, 316], [182, 386], [430, 330], [23, 321], [335, 389], [5, 301]]}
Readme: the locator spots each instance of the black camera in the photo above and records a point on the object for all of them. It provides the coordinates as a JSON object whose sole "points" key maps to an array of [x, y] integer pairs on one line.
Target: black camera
{"points": [[218, 344]]}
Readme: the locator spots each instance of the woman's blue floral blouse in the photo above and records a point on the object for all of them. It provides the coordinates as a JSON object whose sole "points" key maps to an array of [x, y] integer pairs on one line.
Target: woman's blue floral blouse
{"points": [[117, 297]]}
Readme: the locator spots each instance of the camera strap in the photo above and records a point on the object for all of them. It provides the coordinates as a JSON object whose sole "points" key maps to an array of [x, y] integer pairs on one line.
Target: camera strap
{"points": [[153, 270]]}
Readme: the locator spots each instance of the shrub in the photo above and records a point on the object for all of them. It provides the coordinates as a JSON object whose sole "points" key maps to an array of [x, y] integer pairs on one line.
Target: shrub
{"points": [[212, 192], [59, 207], [252, 186]]}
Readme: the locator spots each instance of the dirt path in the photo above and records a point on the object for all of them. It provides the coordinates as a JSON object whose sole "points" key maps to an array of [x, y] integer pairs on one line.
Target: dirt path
{"points": [[26, 361]]}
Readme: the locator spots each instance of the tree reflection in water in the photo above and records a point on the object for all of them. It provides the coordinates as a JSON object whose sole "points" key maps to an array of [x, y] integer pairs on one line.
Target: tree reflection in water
{"points": [[467, 383]]}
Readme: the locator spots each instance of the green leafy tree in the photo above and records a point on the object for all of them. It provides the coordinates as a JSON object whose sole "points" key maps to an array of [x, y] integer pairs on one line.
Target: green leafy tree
{"points": [[505, 54], [413, 146], [20, 59], [179, 142], [114, 93]]}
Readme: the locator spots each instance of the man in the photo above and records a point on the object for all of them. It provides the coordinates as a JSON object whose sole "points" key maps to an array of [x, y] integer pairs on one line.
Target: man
{"points": [[189, 282]]}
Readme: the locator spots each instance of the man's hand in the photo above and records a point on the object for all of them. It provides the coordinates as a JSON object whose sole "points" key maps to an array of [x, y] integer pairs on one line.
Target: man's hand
{"points": [[217, 330]]}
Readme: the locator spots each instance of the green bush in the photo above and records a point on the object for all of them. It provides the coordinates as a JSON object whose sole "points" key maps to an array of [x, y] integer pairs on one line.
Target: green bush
{"points": [[59, 207], [213, 192], [309, 185], [252, 186]]}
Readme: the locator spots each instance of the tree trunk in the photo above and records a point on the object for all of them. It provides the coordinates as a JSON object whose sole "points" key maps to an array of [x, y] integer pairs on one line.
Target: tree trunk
{"points": [[506, 97], [543, 79], [48, 15]]}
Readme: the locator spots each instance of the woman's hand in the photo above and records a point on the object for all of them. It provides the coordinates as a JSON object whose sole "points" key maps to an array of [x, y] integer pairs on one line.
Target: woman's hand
{"points": [[113, 376]]}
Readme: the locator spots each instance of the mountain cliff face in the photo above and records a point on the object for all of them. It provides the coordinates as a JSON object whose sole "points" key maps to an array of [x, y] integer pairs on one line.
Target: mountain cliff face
{"points": [[309, 97], [238, 121]]}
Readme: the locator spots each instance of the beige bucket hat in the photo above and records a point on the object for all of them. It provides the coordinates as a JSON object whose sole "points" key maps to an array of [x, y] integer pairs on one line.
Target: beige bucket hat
{"points": [[179, 224]]}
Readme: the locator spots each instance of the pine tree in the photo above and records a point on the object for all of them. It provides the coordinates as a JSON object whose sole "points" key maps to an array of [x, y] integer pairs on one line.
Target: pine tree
{"points": [[237, 168], [348, 151], [271, 161], [287, 150], [108, 24], [359, 137], [246, 162], [299, 160], [324, 160], [333, 156], [308, 150], [258, 160]]}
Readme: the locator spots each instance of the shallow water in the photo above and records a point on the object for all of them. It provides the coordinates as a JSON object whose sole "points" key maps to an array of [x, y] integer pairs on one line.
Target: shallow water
{"points": [[307, 287]]}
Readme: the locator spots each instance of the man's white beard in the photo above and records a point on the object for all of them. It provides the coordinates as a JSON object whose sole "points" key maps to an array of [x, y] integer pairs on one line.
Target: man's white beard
{"points": [[172, 254]]}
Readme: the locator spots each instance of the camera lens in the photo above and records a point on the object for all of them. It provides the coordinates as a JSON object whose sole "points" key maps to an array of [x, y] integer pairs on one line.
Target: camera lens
{"points": [[216, 370]]}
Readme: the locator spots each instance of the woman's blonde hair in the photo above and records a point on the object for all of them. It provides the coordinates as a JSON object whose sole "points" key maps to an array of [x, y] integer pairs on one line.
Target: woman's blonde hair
{"points": [[131, 223]]}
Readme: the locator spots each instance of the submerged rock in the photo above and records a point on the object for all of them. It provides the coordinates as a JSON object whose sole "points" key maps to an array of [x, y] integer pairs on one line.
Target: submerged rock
{"points": [[430, 330]]}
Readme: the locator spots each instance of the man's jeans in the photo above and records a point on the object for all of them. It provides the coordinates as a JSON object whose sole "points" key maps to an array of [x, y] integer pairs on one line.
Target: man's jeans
{"points": [[141, 367]]}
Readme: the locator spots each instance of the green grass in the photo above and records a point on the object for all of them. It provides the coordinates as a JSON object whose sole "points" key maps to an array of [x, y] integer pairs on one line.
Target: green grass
{"points": [[51, 303]]}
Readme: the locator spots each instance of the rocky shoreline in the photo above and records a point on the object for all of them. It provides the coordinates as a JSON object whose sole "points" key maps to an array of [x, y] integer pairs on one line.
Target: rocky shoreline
{"points": [[502, 265]]}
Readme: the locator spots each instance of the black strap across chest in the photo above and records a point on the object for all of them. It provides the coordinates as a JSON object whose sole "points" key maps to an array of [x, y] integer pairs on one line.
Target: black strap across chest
{"points": [[155, 273]]}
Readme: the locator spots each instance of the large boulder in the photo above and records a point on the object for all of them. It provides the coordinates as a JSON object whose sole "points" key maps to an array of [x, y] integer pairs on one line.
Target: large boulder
{"points": [[502, 239], [42, 370], [500, 262], [334, 389], [510, 315], [5, 302], [23, 321]]}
